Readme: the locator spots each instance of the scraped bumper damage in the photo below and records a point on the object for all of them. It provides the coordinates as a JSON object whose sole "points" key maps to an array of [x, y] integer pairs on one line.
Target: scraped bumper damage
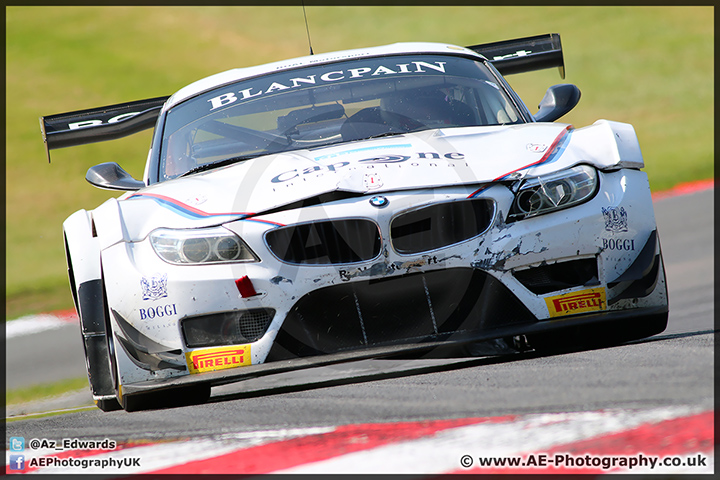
{"points": [[478, 277]]}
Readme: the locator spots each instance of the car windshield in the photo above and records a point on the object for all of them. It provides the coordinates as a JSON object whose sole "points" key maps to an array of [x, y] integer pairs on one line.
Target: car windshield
{"points": [[331, 103]]}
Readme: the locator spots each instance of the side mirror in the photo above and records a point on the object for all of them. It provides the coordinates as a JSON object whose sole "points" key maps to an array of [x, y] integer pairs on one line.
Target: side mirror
{"points": [[111, 176], [558, 100]]}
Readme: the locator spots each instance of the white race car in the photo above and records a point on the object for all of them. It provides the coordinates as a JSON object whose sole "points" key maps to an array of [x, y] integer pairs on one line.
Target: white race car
{"points": [[355, 204]]}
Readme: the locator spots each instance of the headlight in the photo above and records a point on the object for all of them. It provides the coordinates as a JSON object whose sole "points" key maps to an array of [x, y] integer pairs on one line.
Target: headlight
{"points": [[555, 191], [198, 246]]}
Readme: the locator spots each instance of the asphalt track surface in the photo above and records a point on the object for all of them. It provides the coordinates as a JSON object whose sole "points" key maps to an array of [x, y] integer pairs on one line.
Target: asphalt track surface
{"points": [[674, 368]]}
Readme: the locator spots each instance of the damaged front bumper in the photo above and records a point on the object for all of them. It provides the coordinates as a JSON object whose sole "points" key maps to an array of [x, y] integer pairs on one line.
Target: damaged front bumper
{"points": [[593, 263]]}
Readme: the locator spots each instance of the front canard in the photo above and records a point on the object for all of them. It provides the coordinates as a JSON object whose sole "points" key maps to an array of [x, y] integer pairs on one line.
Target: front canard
{"points": [[210, 359], [590, 300]]}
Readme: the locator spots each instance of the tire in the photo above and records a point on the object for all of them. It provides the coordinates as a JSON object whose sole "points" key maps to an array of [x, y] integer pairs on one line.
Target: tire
{"points": [[168, 398], [110, 404]]}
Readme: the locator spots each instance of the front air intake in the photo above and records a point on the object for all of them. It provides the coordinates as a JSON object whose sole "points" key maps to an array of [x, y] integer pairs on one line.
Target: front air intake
{"points": [[326, 242], [441, 225], [450, 303], [227, 328], [558, 276]]}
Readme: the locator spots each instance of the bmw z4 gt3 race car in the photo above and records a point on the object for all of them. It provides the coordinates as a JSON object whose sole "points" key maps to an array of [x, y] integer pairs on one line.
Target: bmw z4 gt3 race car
{"points": [[355, 204]]}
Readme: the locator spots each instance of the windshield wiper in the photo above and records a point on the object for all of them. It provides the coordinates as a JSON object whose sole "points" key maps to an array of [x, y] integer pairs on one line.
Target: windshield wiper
{"points": [[217, 164], [386, 134], [393, 133]]}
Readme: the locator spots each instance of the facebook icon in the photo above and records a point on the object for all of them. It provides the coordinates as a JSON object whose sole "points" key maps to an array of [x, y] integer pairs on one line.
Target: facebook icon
{"points": [[17, 462]]}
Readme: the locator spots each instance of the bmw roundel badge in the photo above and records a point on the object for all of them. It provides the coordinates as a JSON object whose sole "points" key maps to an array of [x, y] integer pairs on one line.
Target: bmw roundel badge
{"points": [[379, 201]]}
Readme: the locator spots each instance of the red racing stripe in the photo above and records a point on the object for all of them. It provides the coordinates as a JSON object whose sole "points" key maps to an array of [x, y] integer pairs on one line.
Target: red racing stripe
{"points": [[201, 213], [548, 154], [66, 315], [185, 206], [678, 437], [685, 189], [313, 448]]}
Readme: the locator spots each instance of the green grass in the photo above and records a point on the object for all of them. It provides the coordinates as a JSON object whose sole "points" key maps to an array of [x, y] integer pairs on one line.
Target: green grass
{"points": [[55, 413], [41, 392], [649, 66]]}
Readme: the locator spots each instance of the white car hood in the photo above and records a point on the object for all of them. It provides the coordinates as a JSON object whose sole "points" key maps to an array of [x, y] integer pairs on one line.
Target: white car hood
{"points": [[428, 159]]}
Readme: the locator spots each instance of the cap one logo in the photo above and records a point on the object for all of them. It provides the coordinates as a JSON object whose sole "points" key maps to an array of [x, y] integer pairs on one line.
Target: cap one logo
{"points": [[386, 159], [379, 201], [154, 287], [616, 219]]}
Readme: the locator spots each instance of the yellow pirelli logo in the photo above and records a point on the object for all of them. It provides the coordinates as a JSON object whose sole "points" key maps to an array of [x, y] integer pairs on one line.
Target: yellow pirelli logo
{"points": [[591, 300], [210, 359]]}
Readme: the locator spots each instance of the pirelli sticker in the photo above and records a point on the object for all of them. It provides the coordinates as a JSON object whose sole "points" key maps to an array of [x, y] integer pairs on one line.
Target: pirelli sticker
{"points": [[210, 359], [591, 300]]}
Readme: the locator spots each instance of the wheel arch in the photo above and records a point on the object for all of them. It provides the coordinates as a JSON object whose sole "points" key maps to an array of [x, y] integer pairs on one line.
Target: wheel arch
{"points": [[82, 250]]}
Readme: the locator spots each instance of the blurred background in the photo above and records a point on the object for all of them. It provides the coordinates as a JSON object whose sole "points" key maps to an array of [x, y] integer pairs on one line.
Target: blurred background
{"points": [[648, 66]]}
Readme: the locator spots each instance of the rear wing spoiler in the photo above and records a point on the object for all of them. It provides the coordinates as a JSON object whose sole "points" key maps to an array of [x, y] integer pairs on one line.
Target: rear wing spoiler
{"points": [[524, 54], [117, 121], [99, 124]]}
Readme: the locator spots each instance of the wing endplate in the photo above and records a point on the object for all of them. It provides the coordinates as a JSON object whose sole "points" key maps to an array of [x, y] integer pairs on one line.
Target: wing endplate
{"points": [[524, 54]]}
